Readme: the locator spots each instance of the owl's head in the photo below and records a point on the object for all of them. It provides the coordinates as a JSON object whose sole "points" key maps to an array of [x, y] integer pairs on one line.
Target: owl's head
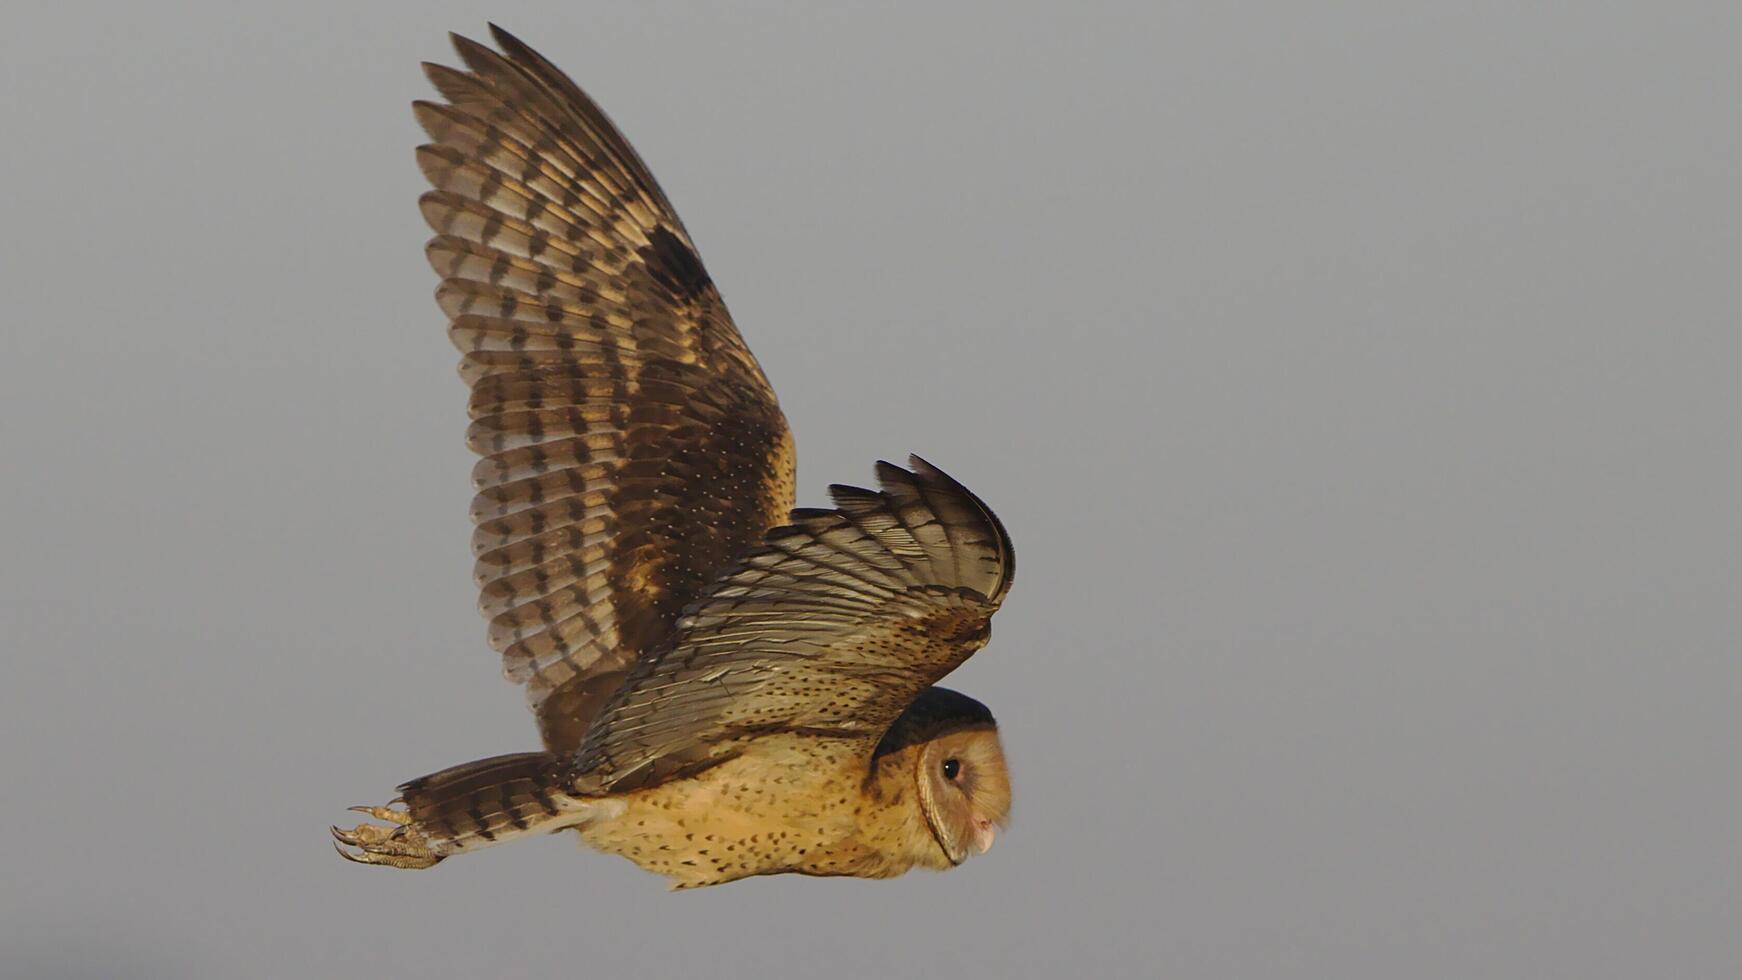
{"points": [[949, 744]]}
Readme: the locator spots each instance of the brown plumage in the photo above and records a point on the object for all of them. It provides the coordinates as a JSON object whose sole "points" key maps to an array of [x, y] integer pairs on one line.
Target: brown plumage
{"points": [[725, 686]]}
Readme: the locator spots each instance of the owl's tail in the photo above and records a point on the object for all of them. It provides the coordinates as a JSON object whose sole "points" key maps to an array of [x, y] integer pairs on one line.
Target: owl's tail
{"points": [[467, 807], [492, 800]]}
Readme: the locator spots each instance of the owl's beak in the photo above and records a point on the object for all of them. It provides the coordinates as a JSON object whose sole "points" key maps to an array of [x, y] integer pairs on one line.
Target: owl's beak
{"points": [[984, 832]]}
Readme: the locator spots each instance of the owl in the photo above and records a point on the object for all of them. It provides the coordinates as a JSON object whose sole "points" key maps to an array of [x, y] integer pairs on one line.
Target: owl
{"points": [[725, 686]]}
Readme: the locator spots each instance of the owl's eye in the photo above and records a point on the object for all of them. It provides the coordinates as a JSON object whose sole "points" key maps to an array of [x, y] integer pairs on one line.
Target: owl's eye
{"points": [[951, 768]]}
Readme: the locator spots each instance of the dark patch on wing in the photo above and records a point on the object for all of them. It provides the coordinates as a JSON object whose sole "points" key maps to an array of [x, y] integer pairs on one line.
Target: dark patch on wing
{"points": [[674, 265]]}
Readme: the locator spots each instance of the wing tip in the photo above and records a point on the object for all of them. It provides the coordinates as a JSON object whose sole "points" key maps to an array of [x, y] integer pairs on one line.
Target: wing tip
{"points": [[505, 40], [926, 475], [913, 486]]}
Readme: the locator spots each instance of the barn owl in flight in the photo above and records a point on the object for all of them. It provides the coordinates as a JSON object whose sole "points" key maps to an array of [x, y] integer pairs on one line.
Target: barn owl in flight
{"points": [[725, 686]]}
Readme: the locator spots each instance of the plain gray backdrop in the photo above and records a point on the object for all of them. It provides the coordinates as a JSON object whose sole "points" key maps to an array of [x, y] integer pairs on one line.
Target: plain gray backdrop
{"points": [[1359, 383]]}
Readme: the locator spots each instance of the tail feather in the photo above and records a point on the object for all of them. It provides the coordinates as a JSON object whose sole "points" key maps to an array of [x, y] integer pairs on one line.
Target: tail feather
{"points": [[492, 800]]}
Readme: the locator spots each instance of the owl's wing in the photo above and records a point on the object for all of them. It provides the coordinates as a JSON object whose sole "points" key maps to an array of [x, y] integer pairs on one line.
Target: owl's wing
{"points": [[632, 446], [832, 627]]}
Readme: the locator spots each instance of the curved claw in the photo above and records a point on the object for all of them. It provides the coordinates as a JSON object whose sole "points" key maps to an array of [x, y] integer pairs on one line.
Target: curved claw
{"points": [[396, 845], [347, 855]]}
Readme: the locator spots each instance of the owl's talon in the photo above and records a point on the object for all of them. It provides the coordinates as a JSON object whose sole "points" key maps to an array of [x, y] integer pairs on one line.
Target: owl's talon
{"points": [[397, 845]]}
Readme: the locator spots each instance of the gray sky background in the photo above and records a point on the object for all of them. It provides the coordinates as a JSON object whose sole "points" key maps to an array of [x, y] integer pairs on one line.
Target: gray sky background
{"points": [[1359, 384]]}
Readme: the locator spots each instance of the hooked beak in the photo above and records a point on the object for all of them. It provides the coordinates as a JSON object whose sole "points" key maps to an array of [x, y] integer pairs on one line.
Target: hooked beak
{"points": [[984, 832]]}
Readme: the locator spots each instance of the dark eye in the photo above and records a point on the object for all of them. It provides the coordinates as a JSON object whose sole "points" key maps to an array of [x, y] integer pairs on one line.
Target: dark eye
{"points": [[951, 768]]}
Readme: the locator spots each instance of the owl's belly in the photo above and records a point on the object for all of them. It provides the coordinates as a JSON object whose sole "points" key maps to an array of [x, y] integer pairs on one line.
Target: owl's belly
{"points": [[765, 812]]}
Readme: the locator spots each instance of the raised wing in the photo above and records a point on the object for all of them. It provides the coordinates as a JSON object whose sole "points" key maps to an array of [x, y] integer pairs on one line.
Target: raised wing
{"points": [[632, 446], [833, 626]]}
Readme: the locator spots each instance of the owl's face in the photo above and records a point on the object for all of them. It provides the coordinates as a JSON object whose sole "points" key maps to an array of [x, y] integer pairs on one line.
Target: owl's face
{"points": [[964, 790]]}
